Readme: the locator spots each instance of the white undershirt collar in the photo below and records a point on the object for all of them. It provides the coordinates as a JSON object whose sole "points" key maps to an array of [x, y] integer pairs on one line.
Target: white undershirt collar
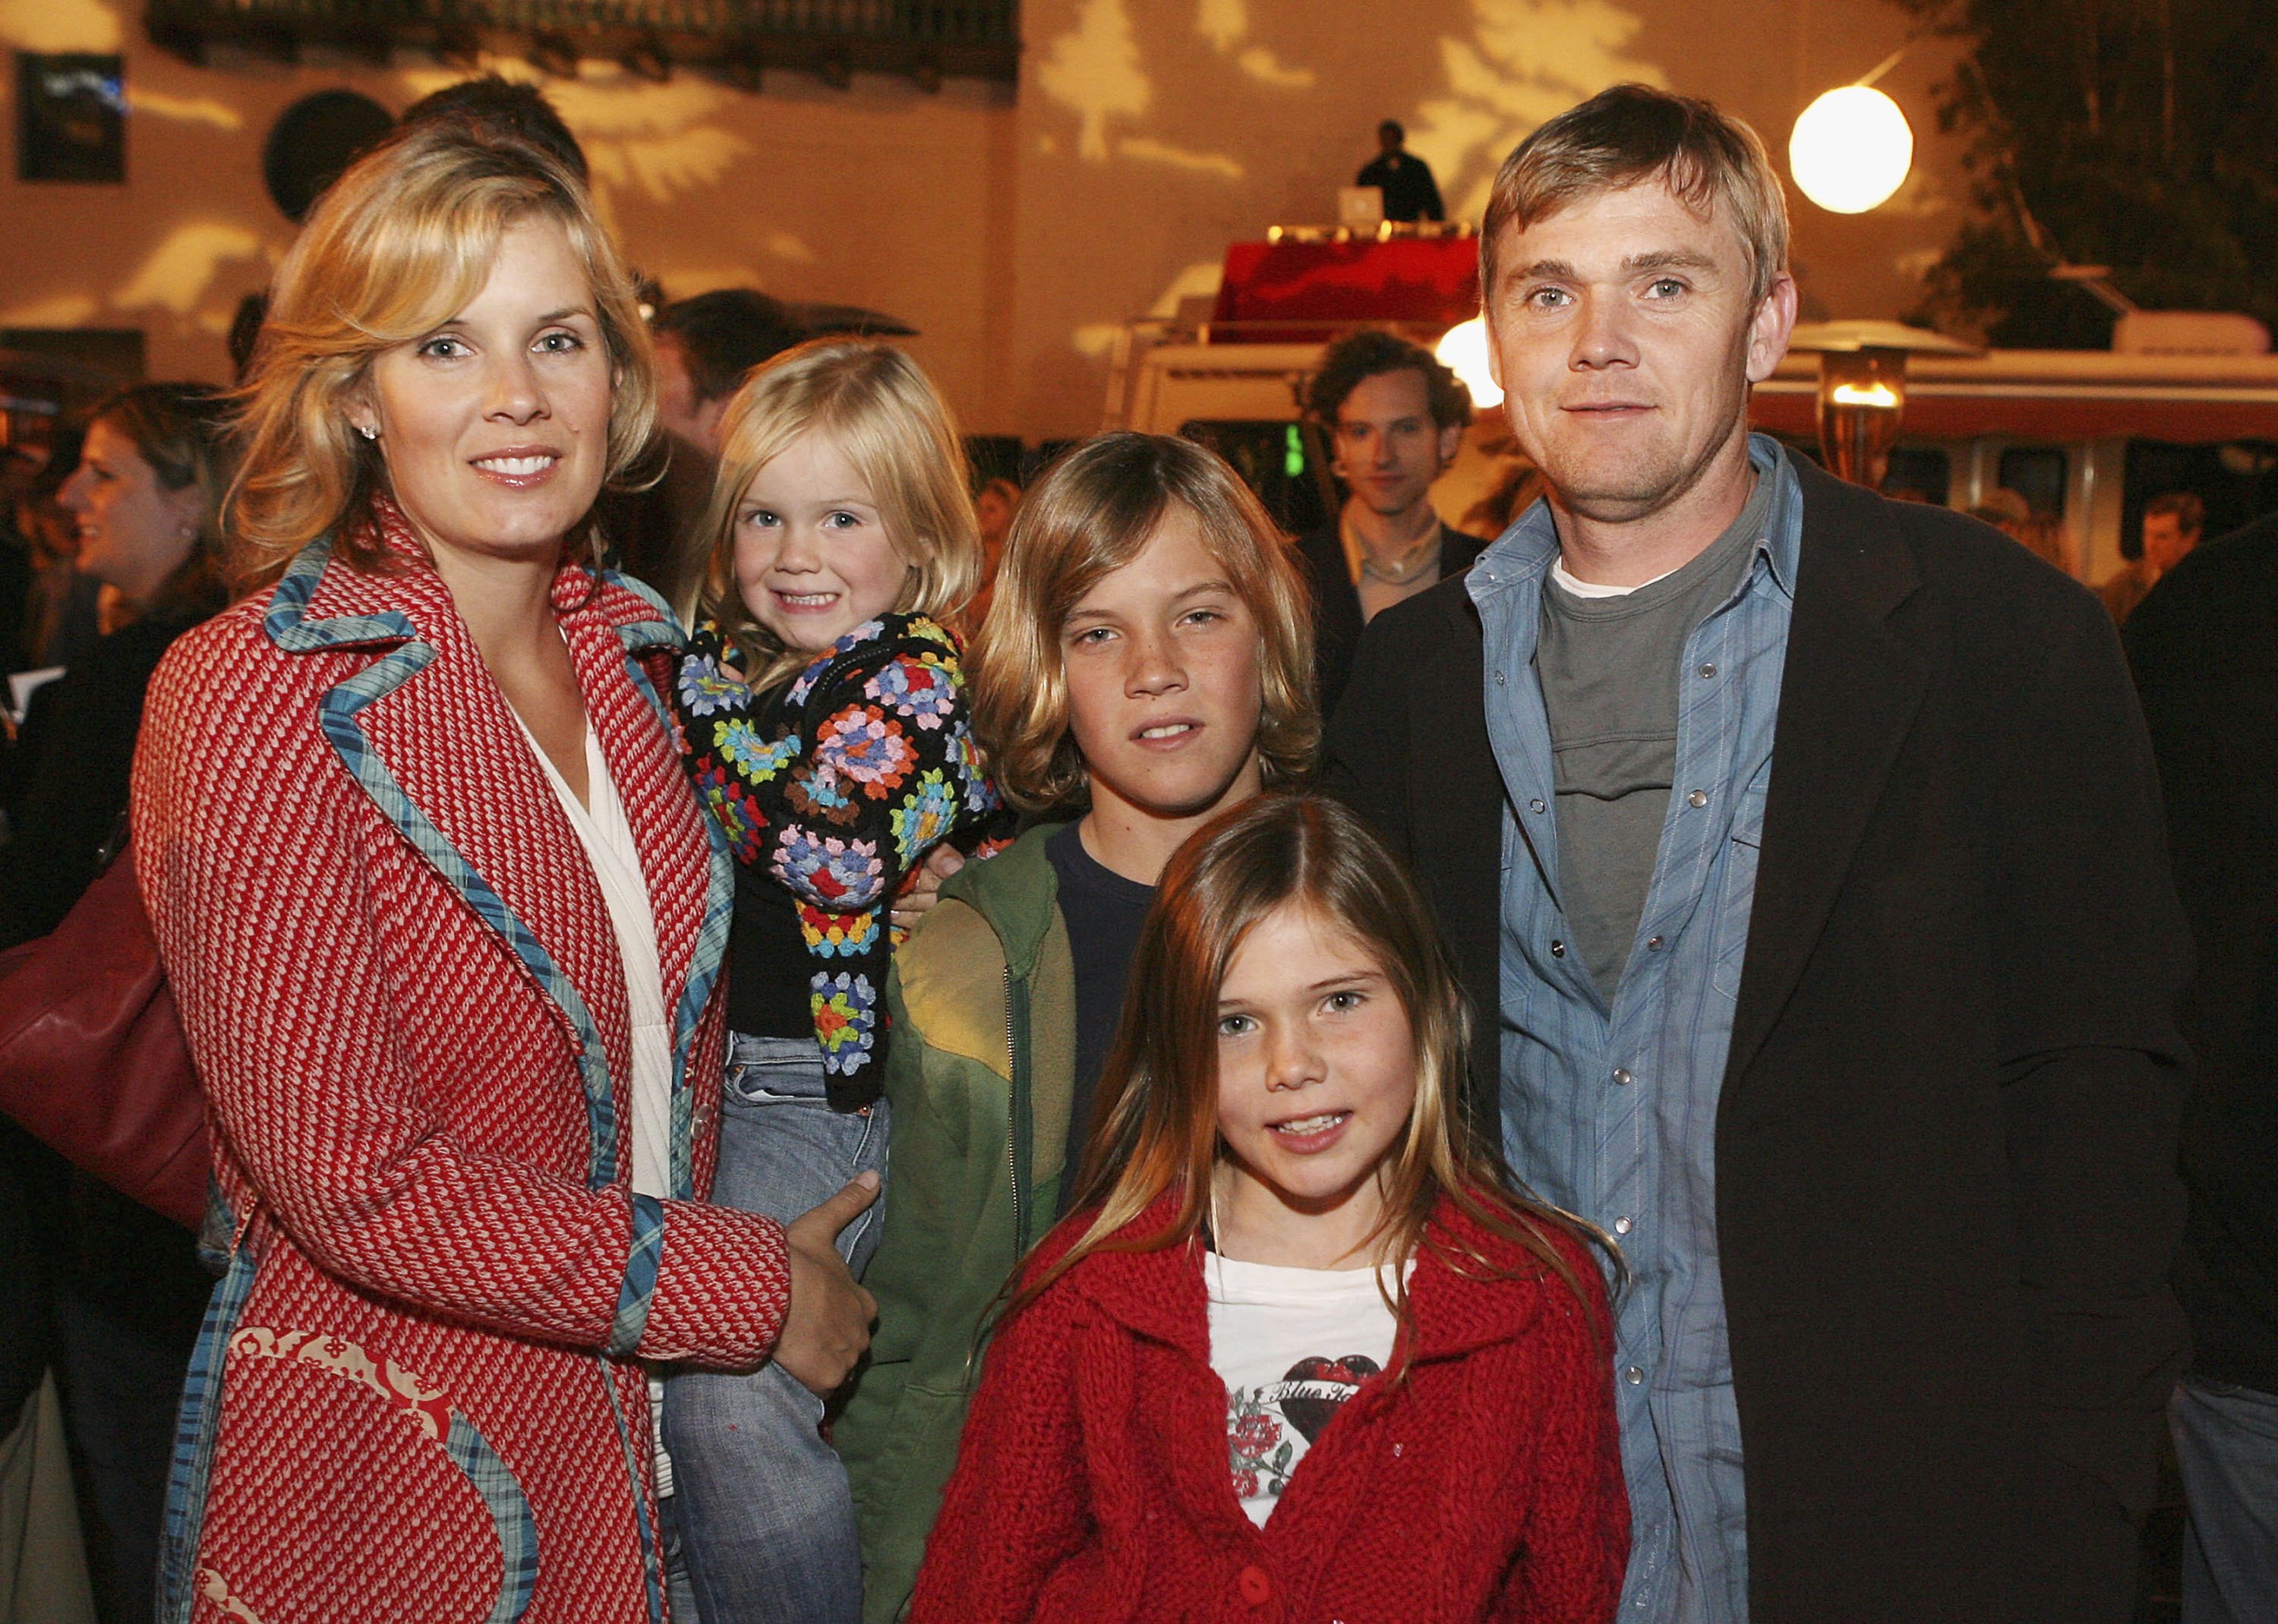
{"points": [[1578, 588]]}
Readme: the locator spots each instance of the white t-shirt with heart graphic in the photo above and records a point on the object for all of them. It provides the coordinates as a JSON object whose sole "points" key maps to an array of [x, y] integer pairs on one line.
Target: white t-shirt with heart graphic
{"points": [[1291, 1345]]}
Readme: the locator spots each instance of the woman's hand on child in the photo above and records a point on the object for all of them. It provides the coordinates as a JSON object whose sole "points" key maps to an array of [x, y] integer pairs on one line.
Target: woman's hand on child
{"points": [[828, 1325], [924, 885]]}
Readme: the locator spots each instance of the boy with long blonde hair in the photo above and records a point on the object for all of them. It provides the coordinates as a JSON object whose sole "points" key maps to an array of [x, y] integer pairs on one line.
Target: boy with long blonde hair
{"points": [[1146, 663]]}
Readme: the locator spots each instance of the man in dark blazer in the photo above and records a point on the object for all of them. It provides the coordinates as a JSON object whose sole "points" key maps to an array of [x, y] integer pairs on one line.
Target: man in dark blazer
{"points": [[2204, 648], [1392, 416], [1801, 854]]}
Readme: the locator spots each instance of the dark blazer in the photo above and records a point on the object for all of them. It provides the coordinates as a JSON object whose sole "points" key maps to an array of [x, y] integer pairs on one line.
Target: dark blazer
{"points": [[96, 1246], [1336, 602], [1946, 1203], [2205, 647], [70, 770]]}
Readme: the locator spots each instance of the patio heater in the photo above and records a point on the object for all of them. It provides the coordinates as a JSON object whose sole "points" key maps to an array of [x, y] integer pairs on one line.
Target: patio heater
{"points": [[1863, 389]]}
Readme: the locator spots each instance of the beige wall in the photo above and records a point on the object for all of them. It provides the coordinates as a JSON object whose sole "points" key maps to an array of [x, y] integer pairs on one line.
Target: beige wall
{"points": [[1013, 231], [1177, 126]]}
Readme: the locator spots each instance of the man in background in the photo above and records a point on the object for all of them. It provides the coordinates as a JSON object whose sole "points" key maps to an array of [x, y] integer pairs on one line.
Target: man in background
{"points": [[2171, 529], [994, 505], [2041, 535], [2205, 647], [1392, 416], [1405, 179], [491, 106], [705, 345]]}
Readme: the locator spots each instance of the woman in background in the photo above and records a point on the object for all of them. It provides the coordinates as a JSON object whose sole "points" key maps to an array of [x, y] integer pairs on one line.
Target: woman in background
{"points": [[123, 1285], [145, 497]]}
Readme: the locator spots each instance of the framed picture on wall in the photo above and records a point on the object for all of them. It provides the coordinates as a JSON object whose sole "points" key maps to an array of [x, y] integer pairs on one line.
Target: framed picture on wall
{"points": [[70, 118]]}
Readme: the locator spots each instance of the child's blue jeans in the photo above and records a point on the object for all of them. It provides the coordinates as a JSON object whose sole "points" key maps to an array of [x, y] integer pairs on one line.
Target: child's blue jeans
{"points": [[765, 1517]]}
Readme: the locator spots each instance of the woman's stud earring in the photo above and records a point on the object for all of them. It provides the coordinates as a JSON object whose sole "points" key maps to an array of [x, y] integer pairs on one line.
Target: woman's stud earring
{"points": [[367, 432]]}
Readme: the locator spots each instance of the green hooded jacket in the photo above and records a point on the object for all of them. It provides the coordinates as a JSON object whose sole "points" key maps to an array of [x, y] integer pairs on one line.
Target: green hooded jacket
{"points": [[981, 1074]]}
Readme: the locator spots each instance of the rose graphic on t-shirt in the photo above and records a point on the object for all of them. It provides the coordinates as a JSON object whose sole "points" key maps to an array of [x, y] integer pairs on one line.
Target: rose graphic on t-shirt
{"points": [[1259, 1420], [1256, 1450]]}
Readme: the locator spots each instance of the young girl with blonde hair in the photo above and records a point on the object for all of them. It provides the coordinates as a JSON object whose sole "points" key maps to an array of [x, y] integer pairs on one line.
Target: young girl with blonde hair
{"points": [[1299, 1343], [822, 707]]}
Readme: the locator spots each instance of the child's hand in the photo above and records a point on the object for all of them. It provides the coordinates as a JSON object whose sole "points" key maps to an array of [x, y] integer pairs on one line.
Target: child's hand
{"points": [[828, 1325], [923, 884]]}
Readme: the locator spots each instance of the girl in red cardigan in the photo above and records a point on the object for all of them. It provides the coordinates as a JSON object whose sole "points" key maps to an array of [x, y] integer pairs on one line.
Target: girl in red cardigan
{"points": [[1300, 1351]]}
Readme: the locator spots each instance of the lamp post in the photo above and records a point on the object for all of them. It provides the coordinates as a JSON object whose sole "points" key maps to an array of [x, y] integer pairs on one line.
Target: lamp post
{"points": [[1851, 148], [1862, 395], [1863, 389]]}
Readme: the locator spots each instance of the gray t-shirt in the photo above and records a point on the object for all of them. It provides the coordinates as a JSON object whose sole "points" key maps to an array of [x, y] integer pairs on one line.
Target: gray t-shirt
{"points": [[1608, 669]]}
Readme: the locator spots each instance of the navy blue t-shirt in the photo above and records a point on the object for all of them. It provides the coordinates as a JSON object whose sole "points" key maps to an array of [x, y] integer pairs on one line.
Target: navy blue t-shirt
{"points": [[1104, 912]]}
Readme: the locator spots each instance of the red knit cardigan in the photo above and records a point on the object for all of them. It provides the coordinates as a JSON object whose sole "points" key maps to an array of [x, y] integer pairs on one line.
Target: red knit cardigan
{"points": [[419, 1395], [1093, 1481]]}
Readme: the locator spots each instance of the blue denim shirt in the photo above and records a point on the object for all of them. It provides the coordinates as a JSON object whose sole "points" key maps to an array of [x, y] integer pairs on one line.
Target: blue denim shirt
{"points": [[1611, 1113]]}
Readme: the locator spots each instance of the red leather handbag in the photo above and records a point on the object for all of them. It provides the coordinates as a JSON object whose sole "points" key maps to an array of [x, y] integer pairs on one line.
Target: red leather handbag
{"points": [[93, 1062]]}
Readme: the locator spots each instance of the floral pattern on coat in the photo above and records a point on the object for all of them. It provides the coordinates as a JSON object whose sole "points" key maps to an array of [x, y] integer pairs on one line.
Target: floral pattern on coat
{"points": [[837, 785]]}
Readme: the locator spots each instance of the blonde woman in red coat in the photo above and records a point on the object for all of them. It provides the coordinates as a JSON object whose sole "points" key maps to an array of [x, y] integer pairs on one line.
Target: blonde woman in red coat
{"points": [[444, 923], [1299, 1351]]}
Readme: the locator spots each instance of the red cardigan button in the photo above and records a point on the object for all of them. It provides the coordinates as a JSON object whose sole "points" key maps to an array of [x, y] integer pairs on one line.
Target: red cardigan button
{"points": [[1255, 1586]]}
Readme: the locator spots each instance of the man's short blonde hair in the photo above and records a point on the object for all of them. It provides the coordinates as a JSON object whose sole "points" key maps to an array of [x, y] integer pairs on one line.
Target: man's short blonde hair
{"points": [[1092, 513], [1713, 163]]}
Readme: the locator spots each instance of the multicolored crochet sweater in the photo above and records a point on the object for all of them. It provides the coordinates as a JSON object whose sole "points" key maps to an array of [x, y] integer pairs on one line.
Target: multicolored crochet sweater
{"points": [[837, 784]]}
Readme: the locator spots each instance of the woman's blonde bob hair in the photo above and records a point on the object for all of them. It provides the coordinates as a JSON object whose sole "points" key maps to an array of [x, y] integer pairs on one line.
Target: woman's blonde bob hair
{"points": [[1092, 513], [889, 421], [398, 246], [1156, 1130]]}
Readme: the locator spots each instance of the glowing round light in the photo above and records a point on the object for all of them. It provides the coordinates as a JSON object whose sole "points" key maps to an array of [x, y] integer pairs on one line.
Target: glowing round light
{"points": [[1851, 150], [1464, 351]]}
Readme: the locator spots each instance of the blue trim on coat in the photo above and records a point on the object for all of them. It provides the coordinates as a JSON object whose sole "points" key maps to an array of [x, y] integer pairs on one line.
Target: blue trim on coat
{"points": [[710, 951], [289, 628], [670, 634], [187, 1474], [288, 624], [652, 1552], [640, 1289], [510, 1515], [337, 711]]}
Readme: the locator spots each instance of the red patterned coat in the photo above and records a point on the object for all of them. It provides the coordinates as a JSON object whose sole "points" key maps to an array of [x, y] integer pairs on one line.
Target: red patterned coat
{"points": [[420, 1394]]}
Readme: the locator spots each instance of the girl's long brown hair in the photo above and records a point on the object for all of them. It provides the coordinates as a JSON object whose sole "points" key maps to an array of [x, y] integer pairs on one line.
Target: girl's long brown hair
{"points": [[1155, 1132]]}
